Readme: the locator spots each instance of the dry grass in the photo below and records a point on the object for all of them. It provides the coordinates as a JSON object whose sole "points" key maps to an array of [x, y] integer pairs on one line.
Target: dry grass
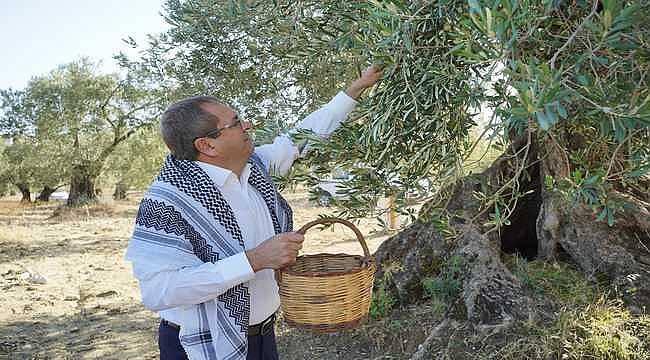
{"points": [[89, 305]]}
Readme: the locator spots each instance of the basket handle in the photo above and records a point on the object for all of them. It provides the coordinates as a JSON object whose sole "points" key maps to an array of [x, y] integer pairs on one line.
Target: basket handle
{"points": [[309, 225], [362, 241]]}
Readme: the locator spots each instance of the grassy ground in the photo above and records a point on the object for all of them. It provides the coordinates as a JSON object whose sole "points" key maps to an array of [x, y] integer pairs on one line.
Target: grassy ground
{"points": [[89, 306], [573, 319]]}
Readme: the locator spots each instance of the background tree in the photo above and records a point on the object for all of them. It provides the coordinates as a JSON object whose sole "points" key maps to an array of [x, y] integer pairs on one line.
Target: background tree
{"points": [[16, 127], [31, 153], [48, 176], [88, 115], [136, 162], [18, 168], [5, 186]]}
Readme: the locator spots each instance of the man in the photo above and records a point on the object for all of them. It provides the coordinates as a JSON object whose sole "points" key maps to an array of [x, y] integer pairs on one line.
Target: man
{"points": [[212, 229]]}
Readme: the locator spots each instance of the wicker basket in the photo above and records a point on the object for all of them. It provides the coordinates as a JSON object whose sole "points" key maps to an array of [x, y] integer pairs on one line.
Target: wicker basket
{"points": [[327, 292]]}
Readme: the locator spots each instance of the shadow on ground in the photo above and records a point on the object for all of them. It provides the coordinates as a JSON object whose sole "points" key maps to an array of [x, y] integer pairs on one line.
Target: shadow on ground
{"points": [[125, 332], [20, 251], [394, 337]]}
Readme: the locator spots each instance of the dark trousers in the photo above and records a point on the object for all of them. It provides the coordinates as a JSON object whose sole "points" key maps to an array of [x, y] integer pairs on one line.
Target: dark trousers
{"points": [[260, 347]]}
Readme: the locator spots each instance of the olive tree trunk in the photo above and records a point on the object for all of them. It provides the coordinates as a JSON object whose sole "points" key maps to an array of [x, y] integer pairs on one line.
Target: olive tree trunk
{"points": [[26, 194], [82, 185], [120, 191], [543, 226], [45, 194]]}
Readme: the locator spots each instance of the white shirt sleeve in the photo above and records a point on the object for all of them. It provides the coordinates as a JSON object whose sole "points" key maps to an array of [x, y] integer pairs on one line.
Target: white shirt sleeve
{"points": [[280, 155], [162, 288]]}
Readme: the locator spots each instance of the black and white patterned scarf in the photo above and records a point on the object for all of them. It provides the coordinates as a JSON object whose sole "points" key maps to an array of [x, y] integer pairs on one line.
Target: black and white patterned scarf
{"points": [[184, 220]]}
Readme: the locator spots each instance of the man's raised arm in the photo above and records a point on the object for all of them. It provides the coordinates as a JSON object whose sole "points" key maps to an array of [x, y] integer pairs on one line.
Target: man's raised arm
{"points": [[280, 155]]}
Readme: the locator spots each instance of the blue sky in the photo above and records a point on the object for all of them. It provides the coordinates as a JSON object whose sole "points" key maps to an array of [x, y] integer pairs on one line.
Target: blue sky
{"points": [[38, 35]]}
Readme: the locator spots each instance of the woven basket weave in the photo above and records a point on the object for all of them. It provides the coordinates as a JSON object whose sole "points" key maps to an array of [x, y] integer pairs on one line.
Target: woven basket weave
{"points": [[327, 292]]}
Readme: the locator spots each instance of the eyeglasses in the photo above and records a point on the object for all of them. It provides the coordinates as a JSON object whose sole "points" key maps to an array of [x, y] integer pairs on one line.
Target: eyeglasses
{"points": [[214, 133]]}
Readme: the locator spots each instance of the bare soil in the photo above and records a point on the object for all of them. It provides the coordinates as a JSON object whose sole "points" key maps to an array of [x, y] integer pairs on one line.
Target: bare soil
{"points": [[67, 293]]}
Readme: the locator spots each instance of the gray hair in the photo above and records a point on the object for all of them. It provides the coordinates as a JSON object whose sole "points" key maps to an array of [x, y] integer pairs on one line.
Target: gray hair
{"points": [[183, 122]]}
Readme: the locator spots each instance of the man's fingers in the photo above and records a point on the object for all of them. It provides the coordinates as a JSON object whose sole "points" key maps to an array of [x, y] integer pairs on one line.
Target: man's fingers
{"points": [[374, 69], [295, 237], [372, 75], [295, 246]]}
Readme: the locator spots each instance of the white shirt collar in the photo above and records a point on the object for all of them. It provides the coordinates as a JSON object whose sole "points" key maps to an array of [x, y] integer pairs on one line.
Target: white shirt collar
{"points": [[222, 176]]}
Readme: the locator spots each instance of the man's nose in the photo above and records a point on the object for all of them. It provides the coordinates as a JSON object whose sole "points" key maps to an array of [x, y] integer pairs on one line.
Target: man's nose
{"points": [[245, 125]]}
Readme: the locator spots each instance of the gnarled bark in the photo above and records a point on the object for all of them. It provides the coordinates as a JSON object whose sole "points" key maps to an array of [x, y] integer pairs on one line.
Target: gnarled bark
{"points": [[82, 185], [409, 257], [26, 194], [620, 253], [120, 191], [492, 295]]}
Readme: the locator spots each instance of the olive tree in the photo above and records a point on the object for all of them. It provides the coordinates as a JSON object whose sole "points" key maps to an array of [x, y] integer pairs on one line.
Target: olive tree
{"points": [[566, 84], [88, 115], [27, 156]]}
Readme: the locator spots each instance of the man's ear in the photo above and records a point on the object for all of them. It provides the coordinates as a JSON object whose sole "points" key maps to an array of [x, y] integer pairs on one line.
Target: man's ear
{"points": [[204, 147]]}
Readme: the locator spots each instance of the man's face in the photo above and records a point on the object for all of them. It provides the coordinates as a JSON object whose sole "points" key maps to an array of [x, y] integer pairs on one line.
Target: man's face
{"points": [[233, 141]]}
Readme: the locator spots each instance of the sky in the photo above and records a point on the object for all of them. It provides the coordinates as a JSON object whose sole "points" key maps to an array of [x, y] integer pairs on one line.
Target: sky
{"points": [[38, 35]]}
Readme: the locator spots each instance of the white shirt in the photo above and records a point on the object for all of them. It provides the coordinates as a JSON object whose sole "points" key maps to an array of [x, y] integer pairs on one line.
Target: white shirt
{"points": [[164, 291]]}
